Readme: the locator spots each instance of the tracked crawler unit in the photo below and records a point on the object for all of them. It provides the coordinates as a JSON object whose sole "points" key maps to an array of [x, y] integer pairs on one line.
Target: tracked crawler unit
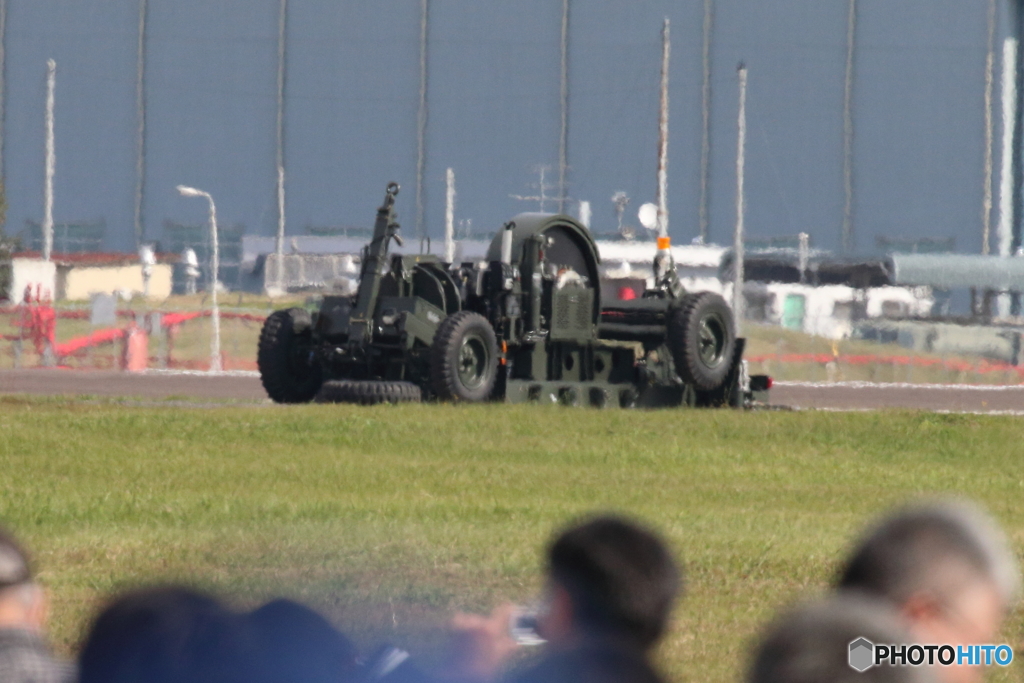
{"points": [[527, 324]]}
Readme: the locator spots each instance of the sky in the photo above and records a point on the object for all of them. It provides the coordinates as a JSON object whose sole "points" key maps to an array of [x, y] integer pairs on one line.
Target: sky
{"points": [[352, 92]]}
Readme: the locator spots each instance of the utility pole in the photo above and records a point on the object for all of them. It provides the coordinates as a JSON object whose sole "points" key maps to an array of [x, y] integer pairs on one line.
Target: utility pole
{"points": [[705, 141], [421, 126], [851, 37], [282, 26], [140, 131], [449, 217], [50, 162], [986, 194], [741, 149], [1017, 14], [1018, 139], [662, 193], [563, 139], [3, 97], [542, 187], [1006, 171]]}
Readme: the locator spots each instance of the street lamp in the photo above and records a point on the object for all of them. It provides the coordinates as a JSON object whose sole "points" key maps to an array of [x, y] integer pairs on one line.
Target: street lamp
{"points": [[185, 191]]}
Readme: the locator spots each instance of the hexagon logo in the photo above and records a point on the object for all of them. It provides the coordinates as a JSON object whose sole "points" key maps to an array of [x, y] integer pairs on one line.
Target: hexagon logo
{"points": [[862, 655]]}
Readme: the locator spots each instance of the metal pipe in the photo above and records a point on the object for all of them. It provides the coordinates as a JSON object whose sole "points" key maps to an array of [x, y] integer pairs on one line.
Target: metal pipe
{"points": [[630, 332], [449, 218]]}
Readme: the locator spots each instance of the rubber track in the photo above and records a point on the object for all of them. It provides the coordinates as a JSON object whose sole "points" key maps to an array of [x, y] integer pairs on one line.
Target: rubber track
{"points": [[369, 392]]}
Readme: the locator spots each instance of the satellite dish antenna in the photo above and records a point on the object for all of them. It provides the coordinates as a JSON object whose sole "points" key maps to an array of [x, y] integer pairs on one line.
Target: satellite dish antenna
{"points": [[648, 215]]}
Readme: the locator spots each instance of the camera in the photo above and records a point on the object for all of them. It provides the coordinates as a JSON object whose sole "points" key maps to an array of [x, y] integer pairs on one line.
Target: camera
{"points": [[523, 626]]}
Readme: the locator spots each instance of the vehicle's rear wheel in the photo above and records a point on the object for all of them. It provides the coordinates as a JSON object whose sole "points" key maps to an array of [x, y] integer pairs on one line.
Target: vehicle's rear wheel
{"points": [[288, 366], [701, 337], [368, 392], [464, 358]]}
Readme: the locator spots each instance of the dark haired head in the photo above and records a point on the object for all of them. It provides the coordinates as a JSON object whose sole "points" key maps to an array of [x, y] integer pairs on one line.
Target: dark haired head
{"points": [[293, 644], [163, 635], [620, 577]]}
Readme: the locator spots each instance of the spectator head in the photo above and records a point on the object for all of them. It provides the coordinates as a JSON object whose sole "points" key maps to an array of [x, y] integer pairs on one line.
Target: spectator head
{"points": [[163, 635], [612, 578], [291, 643], [23, 603], [810, 644], [947, 570]]}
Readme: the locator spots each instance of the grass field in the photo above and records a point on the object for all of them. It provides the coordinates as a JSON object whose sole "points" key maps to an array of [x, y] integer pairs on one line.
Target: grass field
{"points": [[388, 519]]}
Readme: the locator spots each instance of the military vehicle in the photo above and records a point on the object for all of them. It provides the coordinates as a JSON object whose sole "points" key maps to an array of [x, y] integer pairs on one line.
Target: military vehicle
{"points": [[527, 324]]}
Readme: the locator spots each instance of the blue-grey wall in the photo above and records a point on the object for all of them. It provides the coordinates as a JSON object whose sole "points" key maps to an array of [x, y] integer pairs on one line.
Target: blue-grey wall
{"points": [[352, 97]]}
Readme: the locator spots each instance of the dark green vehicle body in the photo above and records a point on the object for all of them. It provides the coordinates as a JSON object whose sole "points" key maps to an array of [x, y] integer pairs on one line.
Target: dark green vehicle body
{"points": [[549, 336]]}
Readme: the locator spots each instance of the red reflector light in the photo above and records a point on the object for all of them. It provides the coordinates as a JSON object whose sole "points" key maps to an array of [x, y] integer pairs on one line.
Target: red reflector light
{"points": [[771, 381]]}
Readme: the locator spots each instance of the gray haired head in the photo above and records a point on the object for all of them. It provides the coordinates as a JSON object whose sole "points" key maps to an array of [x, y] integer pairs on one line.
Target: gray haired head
{"points": [[932, 547], [812, 644]]}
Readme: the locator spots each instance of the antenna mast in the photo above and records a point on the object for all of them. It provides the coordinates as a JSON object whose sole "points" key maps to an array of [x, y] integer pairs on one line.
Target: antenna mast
{"points": [[662, 199], [563, 141]]}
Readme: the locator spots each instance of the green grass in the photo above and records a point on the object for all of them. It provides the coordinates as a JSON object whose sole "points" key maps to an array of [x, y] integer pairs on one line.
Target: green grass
{"points": [[388, 519]]}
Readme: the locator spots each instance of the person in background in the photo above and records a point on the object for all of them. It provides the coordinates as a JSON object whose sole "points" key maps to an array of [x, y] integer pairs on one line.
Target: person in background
{"points": [[165, 635], [291, 643], [610, 586], [25, 656], [810, 644], [947, 571]]}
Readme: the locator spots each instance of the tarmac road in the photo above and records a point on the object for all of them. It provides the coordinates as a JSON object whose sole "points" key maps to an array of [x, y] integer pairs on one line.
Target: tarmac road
{"points": [[143, 385], [947, 398], [239, 386]]}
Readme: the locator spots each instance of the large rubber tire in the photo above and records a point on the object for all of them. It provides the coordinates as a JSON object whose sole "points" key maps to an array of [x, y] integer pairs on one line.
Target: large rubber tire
{"points": [[288, 369], [464, 358], [368, 392], [702, 337]]}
